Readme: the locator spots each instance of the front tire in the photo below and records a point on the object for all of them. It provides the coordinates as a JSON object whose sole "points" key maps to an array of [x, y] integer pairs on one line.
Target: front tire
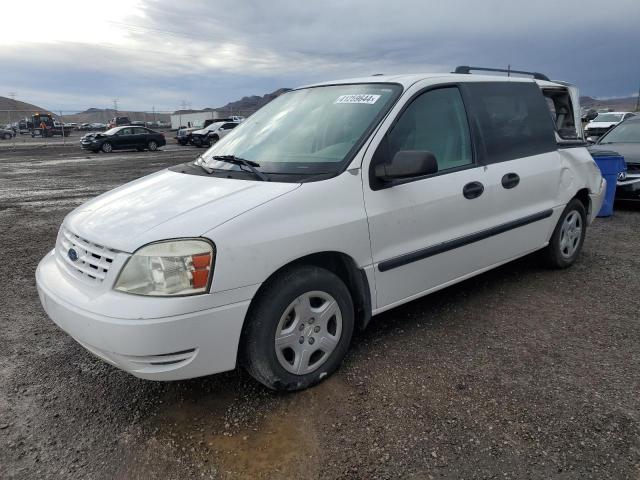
{"points": [[299, 329], [107, 147], [568, 236]]}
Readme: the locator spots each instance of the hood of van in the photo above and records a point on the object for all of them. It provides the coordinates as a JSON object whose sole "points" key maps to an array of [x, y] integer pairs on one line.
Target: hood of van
{"points": [[167, 205]]}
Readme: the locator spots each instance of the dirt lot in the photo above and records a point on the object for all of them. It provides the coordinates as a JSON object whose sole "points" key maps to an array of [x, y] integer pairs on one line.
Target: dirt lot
{"points": [[518, 373]]}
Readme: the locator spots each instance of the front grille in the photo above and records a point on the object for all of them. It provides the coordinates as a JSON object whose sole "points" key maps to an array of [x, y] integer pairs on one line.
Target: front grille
{"points": [[93, 260], [633, 167]]}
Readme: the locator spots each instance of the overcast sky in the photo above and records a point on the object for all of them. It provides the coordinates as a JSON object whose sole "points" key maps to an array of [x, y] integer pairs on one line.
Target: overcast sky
{"points": [[75, 54]]}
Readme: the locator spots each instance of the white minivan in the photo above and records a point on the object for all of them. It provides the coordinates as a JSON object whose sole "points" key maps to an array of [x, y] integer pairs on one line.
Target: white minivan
{"points": [[332, 203]]}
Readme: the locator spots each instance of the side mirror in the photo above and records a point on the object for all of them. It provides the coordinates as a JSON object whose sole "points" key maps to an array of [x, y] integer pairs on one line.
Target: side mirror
{"points": [[407, 164]]}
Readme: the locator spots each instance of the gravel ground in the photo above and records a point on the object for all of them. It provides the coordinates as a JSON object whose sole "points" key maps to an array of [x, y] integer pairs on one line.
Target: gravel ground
{"points": [[519, 373]]}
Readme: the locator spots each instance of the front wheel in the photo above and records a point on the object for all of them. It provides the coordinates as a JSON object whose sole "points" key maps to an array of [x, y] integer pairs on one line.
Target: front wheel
{"points": [[299, 329], [568, 236], [107, 147]]}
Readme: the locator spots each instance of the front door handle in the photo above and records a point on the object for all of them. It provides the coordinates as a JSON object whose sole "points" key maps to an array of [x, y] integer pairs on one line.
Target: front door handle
{"points": [[510, 180], [472, 190]]}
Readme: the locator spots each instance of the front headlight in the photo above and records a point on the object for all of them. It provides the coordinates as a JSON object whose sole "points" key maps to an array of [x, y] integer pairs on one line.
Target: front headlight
{"points": [[170, 268]]}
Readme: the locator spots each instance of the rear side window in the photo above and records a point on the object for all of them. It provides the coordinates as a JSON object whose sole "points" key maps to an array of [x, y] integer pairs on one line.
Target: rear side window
{"points": [[514, 120]]}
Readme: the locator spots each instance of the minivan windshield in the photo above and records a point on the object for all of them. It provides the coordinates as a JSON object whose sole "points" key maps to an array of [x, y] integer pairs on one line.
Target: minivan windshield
{"points": [[308, 131], [627, 132]]}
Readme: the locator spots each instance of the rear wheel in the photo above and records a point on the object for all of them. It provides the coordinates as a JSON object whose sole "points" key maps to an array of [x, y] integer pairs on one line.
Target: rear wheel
{"points": [[107, 147], [299, 329], [568, 236], [7, 136], [152, 146]]}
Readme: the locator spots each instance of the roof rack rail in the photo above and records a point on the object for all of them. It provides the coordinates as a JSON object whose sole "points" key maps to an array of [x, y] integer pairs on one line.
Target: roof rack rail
{"points": [[536, 75]]}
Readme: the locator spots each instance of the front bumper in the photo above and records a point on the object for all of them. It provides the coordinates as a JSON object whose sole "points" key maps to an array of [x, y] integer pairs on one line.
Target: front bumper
{"points": [[173, 347], [629, 189]]}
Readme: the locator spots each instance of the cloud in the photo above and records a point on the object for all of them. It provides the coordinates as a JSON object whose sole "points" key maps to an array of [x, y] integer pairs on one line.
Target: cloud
{"points": [[163, 51]]}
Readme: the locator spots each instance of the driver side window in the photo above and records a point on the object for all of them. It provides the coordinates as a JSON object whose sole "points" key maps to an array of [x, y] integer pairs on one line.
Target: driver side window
{"points": [[435, 121]]}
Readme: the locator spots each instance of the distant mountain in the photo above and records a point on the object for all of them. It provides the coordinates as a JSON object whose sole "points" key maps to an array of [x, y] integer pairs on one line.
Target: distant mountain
{"points": [[254, 102], [103, 115], [245, 106], [627, 104], [17, 110]]}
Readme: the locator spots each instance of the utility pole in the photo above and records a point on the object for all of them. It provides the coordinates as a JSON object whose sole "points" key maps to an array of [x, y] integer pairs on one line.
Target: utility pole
{"points": [[15, 105], [115, 105], [183, 106], [638, 101], [153, 109]]}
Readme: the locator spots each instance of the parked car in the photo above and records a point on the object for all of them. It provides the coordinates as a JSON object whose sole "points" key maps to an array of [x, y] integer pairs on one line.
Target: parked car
{"points": [[276, 243], [97, 126], [183, 134], [624, 139], [118, 122], [7, 133], [588, 115], [603, 123], [123, 138], [211, 134], [25, 126]]}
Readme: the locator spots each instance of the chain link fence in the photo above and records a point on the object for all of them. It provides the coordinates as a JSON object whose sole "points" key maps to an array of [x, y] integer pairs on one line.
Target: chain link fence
{"points": [[31, 127]]}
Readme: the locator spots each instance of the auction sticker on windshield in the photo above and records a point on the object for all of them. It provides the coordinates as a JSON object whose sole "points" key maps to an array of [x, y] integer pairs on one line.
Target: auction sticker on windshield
{"points": [[358, 98]]}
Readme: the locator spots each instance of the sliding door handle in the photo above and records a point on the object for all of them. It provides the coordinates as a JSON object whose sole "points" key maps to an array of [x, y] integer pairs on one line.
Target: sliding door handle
{"points": [[510, 180]]}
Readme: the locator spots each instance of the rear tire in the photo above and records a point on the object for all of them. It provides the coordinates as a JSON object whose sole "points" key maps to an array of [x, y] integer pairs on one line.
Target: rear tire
{"points": [[152, 146], [568, 236], [308, 312], [6, 136]]}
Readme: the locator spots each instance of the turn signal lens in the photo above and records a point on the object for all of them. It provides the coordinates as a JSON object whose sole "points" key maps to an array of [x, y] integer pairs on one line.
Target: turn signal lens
{"points": [[172, 268]]}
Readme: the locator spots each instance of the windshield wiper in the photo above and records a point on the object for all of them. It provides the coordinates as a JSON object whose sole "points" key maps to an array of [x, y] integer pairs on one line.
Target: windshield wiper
{"points": [[251, 165]]}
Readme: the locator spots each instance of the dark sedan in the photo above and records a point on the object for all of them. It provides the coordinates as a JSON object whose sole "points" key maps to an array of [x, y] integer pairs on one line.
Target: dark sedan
{"points": [[123, 138], [624, 139]]}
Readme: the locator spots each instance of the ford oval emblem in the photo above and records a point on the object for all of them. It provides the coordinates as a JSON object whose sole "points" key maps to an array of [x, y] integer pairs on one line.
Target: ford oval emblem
{"points": [[73, 255]]}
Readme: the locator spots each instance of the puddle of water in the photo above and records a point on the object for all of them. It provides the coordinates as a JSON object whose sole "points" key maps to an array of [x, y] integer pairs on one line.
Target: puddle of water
{"points": [[282, 446]]}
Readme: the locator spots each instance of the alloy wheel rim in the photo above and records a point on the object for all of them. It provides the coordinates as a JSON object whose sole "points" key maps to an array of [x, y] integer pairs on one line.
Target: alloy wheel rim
{"points": [[152, 146], [308, 332], [107, 147], [570, 234]]}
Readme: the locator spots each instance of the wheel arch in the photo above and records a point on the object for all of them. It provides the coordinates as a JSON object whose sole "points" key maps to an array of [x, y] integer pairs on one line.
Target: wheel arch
{"points": [[583, 196], [339, 264]]}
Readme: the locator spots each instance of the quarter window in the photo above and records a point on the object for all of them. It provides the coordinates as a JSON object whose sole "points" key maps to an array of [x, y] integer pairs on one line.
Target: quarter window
{"points": [[435, 121], [514, 120]]}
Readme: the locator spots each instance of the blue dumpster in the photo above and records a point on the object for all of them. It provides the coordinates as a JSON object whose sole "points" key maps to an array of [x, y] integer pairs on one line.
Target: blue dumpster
{"points": [[610, 165]]}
